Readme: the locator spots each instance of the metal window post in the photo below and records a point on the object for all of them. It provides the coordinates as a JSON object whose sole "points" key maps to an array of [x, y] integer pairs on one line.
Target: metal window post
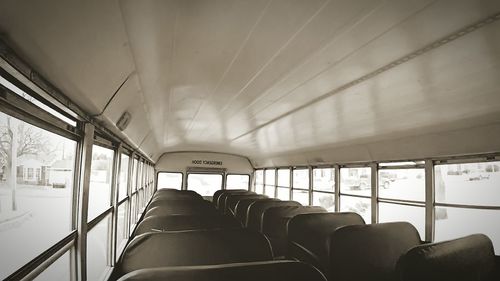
{"points": [[114, 199], [337, 188], [275, 183], [128, 216], [291, 183], [429, 201], [86, 162], [374, 189], [310, 170]]}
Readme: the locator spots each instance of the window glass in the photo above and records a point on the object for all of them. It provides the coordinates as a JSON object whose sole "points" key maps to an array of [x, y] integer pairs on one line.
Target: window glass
{"points": [[301, 178], [97, 247], [259, 176], [259, 189], [301, 196], [237, 181], [453, 223], [123, 181], [270, 191], [283, 178], [204, 184], [270, 177], [169, 180], [121, 230], [325, 200], [100, 181], [29, 204], [134, 175], [259, 181], [403, 184], [283, 193], [323, 179], [133, 211], [356, 181], [389, 212], [362, 206], [471, 183], [60, 270]]}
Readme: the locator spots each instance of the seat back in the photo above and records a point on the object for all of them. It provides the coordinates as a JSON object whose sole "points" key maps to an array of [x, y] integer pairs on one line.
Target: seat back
{"points": [[178, 194], [309, 236], [177, 202], [241, 209], [370, 252], [181, 210], [469, 258], [184, 222], [233, 199], [199, 247], [257, 209], [275, 221], [275, 270], [223, 198], [219, 192]]}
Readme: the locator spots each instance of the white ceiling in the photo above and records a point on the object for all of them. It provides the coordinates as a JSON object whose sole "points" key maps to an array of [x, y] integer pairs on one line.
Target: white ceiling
{"points": [[266, 77]]}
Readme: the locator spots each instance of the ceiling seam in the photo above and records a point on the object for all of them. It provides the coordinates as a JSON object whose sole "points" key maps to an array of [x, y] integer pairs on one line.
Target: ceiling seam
{"points": [[276, 54], [432, 46], [228, 68], [347, 56], [231, 99]]}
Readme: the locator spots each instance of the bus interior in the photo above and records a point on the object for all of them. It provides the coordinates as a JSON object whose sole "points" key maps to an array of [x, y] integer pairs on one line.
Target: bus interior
{"points": [[239, 140]]}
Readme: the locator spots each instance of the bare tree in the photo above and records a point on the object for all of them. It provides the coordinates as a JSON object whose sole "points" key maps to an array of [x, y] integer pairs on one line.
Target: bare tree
{"points": [[28, 141]]}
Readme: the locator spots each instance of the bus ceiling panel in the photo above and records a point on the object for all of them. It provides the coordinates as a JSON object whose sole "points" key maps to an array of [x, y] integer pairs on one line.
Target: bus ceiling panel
{"points": [[387, 33], [471, 140], [182, 49], [180, 161], [431, 93], [81, 47]]}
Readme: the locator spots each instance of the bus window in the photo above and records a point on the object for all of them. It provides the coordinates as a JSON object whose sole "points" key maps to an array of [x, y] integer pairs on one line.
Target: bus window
{"points": [[355, 191], [259, 181], [467, 198], [402, 196], [97, 247], [59, 270], [170, 180], [300, 187], [100, 181], [324, 188], [123, 180], [269, 184], [283, 184], [33, 203], [237, 181], [204, 184]]}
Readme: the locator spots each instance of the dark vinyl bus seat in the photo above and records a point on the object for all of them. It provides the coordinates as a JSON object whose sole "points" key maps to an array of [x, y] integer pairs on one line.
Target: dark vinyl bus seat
{"points": [[218, 193], [370, 252], [268, 270], [178, 202], [222, 199], [241, 209], [198, 247], [182, 210], [184, 222], [309, 235], [233, 199], [470, 258], [275, 222], [256, 211]]}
